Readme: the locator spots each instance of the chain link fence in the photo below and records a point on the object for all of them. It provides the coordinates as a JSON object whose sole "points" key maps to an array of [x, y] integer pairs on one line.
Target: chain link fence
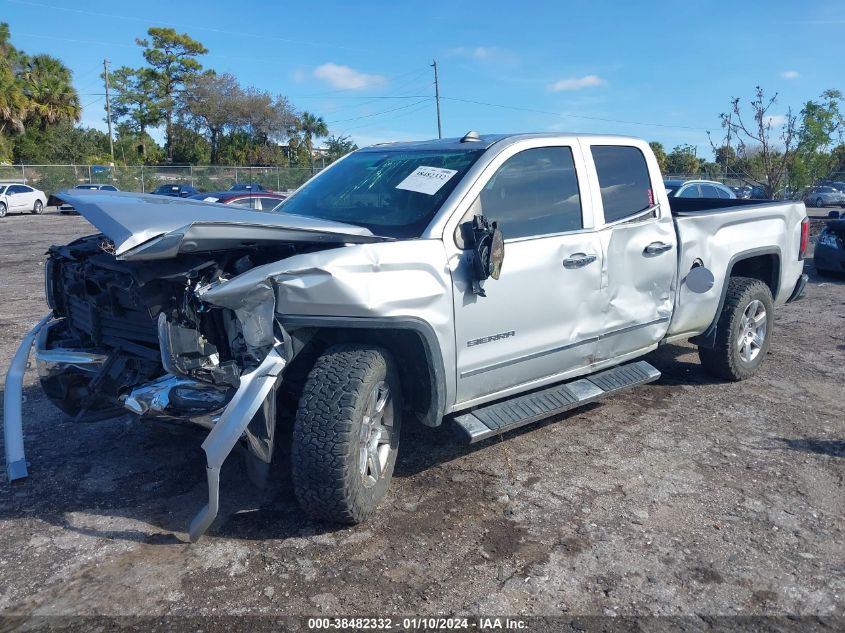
{"points": [[145, 178]]}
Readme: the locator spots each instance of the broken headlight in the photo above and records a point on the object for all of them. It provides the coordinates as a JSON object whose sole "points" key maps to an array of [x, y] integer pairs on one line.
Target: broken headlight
{"points": [[186, 352]]}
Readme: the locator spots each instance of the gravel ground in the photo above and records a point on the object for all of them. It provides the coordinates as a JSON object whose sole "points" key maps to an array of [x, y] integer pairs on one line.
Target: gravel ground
{"points": [[685, 496]]}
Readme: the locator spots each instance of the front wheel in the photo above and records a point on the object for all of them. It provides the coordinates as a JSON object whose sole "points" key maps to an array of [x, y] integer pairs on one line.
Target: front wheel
{"points": [[38, 207], [346, 433], [819, 202], [2, 210], [743, 332]]}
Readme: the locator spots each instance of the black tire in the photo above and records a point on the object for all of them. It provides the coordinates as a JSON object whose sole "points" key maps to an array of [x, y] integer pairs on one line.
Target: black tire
{"points": [[38, 207], [328, 432], [725, 360], [3, 210], [820, 203]]}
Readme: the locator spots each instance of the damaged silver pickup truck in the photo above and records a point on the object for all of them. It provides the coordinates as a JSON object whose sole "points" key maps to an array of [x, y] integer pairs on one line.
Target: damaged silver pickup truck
{"points": [[489, 281]]}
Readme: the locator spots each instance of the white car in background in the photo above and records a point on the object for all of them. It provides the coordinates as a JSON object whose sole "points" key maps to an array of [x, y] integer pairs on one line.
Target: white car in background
{"points": [[21, 198]]}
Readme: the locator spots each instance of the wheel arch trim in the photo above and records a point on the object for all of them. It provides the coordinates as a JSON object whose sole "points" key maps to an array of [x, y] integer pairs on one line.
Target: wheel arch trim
{"points": [[437, 372], [708, 337]]}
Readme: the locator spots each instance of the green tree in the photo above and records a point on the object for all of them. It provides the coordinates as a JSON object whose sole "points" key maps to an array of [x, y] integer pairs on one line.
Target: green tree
{"points": [[339, 146], [49, 87], [659, 154], [61, 144], [189, 147], [13, 100], [683, 161], [134, 148], [821, 126], [311, 126], [214, 103], [172, 58], [136, 102]]}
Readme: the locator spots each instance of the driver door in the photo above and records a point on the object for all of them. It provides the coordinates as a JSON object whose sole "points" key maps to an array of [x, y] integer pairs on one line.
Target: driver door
{"points": [[539, 319]]}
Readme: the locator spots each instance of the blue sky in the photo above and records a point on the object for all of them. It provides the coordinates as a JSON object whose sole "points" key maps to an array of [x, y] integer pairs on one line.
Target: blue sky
{"points": [[660, 70]]}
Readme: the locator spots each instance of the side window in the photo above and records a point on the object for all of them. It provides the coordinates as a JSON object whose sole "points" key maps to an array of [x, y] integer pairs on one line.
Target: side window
{"points": [[108, 188], [244, 202], [16, 189], [709, 191], [624, 181], [723, 193], [268, 204], [26, 189], [534, 193], [690, 191]]}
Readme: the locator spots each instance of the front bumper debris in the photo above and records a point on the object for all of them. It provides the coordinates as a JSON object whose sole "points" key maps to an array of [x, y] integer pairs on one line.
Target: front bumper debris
{"points": [[223, 409], [254, 388], [12, 403]]}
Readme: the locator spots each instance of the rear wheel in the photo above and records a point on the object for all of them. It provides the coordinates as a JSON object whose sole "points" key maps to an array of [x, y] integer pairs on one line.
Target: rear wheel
{"points": [[346, 433], [2, 210], [743, 332], [819, 202], [38, 207]]}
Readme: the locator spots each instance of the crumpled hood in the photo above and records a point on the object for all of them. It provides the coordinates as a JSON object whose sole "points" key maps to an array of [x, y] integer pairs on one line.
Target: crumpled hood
{"points": [[146, 226]]}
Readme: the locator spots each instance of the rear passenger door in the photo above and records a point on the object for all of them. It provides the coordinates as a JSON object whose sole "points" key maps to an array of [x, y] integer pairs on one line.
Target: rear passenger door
{"points": [[639, 248], [17, 197], [539, 318]]}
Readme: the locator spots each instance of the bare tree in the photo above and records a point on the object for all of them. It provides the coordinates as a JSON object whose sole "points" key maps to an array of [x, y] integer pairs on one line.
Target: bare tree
{"points": [[755, 140]]}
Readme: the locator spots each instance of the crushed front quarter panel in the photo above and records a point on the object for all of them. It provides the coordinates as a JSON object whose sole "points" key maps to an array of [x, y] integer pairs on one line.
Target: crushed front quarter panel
{"points": [[408, 279]]}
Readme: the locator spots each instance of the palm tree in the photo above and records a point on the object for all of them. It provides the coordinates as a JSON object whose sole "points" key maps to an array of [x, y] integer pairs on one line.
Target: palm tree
{"points": [[13, 101], [48, 84], [311, 125]]}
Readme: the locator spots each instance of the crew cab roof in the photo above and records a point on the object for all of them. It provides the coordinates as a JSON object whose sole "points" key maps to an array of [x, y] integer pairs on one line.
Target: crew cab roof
{"points": [[483, 141]]}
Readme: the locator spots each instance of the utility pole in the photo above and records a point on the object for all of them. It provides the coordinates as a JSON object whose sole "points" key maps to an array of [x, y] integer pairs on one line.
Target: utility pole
{"points": [[437, 99], [108, 110]]}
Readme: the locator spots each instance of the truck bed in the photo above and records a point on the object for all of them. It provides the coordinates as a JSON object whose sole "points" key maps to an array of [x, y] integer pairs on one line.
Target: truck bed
{"points": [[695, 206], [716, 233]]}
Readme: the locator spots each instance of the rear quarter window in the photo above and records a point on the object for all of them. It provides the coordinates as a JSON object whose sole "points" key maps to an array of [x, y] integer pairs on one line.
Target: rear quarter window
{"points": [[624, 181]]}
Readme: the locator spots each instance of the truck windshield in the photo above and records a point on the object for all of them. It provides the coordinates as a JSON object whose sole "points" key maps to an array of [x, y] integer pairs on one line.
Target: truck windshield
{"points": [[394, 193]]}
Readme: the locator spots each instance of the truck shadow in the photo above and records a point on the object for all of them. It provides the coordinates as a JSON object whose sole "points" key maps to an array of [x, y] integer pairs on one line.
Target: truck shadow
{"points": [[819, 446]]}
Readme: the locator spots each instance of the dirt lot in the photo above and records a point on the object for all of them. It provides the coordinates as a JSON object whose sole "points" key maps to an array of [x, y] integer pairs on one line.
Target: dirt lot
{"points": [[686, 496]]}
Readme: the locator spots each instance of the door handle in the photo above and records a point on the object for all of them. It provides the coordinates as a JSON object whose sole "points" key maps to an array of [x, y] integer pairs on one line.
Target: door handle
{"points": [[578, 260], [655, 248]]}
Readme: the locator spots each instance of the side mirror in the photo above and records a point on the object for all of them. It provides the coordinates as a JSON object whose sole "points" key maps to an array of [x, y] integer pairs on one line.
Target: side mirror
{"points": [[488, 249]]}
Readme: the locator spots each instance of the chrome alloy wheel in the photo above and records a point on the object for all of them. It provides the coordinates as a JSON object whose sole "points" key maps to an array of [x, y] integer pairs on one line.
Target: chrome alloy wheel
{"points": [[752, 331], [376, 435]]}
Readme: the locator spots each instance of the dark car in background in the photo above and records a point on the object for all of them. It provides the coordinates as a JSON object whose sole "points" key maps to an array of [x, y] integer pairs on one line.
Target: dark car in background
{"points": [[258, 200], [176, 191], [248, 186], [829, 255], [67, 209], [750, 192], [697, 189]]}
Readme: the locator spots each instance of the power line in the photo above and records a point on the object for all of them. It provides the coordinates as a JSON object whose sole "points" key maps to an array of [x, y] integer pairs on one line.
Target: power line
{"points": [[367, 116], [388, 118]]}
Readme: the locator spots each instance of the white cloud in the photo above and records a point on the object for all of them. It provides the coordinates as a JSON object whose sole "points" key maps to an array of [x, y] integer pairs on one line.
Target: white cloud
{"points": [[577, 83], [485, 54], [776, 120], [346, 78], [790, 74]]}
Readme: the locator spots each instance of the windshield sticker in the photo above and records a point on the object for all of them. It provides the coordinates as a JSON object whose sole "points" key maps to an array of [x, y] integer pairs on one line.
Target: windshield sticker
{"points": [[427, 180]]}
